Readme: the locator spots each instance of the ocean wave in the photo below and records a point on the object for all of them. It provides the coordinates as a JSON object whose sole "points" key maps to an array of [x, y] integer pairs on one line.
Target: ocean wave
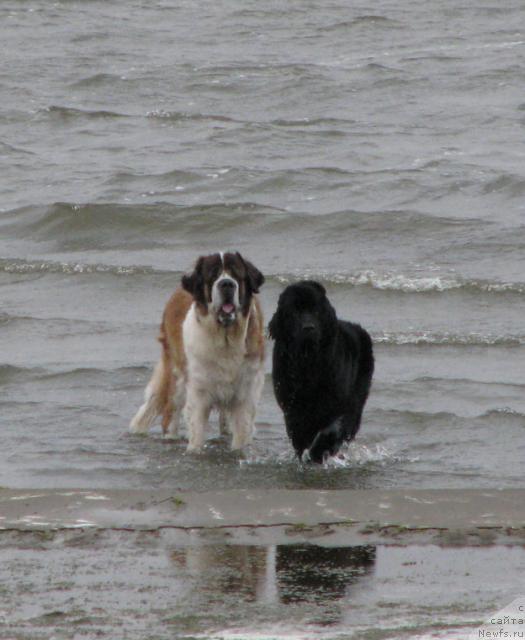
{"points": [[386, 282], [448, 339], [108, 224], [10, 149], [503, 412], [447, 417], [380, 415], [96, 79], [187, 116], [366, 20], [311, 122], [72, 226], [168, 177], [455, 382], [183, 116], [12, 373], [514, 185], [42, 266], [73, 112], [82, 373], [405, 283]]}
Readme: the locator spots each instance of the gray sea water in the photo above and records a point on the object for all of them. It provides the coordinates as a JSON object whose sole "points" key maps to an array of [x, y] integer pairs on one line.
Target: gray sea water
{"points": [[376, 147]]}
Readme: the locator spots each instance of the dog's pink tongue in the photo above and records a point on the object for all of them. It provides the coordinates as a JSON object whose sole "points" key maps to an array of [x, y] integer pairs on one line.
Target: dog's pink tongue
{"points": [[228, 308]]}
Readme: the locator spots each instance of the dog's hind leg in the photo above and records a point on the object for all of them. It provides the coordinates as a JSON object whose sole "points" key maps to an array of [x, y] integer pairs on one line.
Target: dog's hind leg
{"points": [[168, 409], [153, 400], [174, 403]]}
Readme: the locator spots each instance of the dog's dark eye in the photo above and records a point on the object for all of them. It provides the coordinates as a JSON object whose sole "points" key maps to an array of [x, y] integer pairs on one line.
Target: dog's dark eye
{"points": [[214, 273], [234, 271]]}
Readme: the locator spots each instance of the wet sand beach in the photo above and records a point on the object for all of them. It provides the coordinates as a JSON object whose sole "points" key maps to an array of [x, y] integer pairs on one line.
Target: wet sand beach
{"points": [[281, 564]]}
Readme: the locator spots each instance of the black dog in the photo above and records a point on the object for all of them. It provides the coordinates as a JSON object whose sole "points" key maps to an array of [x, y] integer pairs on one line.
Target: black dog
{"points": [[322, 370]]}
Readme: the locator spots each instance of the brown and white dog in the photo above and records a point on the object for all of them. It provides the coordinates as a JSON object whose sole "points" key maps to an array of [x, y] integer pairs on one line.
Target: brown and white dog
{"points": [[212, 337]]}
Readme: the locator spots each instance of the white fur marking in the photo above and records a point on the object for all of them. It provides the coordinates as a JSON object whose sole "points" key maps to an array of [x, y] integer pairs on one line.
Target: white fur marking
{"points": [[178, 401], [216, 296], [145, 416], [219, 376]]}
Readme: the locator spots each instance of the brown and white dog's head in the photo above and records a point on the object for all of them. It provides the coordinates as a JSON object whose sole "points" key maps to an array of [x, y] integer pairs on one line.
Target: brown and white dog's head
{"points": [[223, 284]]}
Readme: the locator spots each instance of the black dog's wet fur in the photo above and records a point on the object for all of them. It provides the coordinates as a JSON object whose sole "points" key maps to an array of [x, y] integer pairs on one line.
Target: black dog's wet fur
{"points": [[322, 370]]}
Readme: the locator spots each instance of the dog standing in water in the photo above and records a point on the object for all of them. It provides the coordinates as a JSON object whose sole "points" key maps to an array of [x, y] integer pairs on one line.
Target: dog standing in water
{"points": [[212, 353], [322, 370]]}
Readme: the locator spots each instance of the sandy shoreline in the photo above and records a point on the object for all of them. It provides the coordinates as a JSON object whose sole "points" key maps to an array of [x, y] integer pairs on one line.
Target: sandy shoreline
{"points": [[265, 564], [351, 517]]}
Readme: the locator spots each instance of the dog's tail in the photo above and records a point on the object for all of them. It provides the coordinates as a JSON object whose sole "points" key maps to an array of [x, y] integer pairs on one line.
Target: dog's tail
{"points": [[327, 442], [154, 400]]}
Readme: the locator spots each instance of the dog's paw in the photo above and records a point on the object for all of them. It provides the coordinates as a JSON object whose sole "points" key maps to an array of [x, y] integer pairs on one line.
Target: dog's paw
{"points": [[170, 435], [326, 443], [305, 457], [194, 449]]}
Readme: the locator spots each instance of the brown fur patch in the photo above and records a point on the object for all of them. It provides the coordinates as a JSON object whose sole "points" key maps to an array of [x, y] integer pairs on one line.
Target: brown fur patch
{"points": [[255, 334], [173, 355]]}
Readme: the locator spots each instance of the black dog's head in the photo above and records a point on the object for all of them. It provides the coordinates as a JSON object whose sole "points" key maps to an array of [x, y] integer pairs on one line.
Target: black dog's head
{"points": [[305, 320], [224, 284]]}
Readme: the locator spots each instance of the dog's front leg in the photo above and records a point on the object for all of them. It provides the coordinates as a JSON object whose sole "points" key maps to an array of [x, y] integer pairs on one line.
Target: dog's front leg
{"points": [[196, 414], [243, 416], [243, 413]]}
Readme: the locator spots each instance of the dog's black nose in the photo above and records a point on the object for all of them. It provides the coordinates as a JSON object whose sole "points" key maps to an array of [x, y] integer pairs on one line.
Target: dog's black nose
{"points": [[226, 285], [309, 327]]}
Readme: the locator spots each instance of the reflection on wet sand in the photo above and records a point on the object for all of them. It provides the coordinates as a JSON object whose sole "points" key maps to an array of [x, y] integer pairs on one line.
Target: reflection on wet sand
{"points": [[277, 575], [307, 572]]}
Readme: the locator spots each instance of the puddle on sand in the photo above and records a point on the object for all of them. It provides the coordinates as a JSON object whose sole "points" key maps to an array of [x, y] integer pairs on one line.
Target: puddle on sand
{"points": [[166, 585]]}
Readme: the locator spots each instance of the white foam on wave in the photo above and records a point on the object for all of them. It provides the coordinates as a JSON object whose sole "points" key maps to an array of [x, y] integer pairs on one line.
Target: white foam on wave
{"points": [[28, 267], [386, 281], [390, 281], [400, 282], [447, 338]]}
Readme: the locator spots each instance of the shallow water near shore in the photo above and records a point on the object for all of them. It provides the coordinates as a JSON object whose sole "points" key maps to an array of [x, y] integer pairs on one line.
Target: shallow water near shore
{"points": [[374, 150]]}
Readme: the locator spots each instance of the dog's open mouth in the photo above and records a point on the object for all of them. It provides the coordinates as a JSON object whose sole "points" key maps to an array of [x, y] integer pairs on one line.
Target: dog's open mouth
{"points": [[227, 314]]}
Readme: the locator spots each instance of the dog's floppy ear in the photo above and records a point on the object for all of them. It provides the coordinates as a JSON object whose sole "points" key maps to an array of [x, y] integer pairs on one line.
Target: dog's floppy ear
{"points": [[194, 283], [254, 276], [273, 327]]}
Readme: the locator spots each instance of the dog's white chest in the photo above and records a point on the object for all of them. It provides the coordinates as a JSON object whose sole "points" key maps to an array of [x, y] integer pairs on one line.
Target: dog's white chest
{"points": [[216, 366]]}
